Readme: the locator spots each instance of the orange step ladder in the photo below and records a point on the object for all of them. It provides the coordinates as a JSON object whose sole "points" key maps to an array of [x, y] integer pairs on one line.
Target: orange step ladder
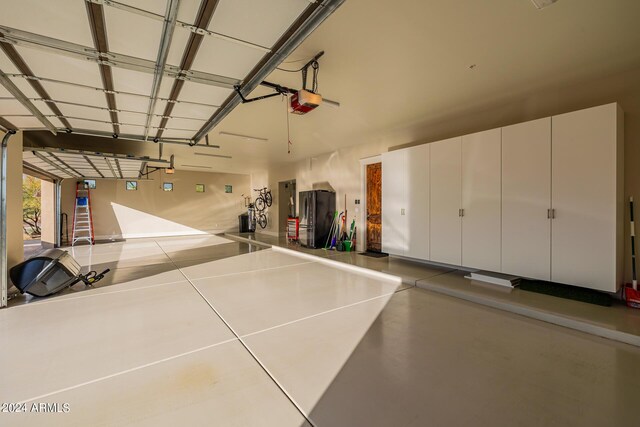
{"points": [[82, 217]]}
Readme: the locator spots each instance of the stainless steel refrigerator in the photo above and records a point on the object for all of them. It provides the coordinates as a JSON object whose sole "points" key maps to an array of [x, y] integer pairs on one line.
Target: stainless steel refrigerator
{"points": [[317, 208]]}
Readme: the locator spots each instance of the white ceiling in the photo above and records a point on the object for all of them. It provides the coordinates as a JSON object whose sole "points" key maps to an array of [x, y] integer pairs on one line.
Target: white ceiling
{"points": [[402, 67], [391, 65]]}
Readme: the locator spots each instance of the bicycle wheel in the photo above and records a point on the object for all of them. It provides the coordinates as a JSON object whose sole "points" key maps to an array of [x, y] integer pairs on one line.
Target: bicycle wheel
{"points": [[268, 199], [262, 220], [259, 204]]}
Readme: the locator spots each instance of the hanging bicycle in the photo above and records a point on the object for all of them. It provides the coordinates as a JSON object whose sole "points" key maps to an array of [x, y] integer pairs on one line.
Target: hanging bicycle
{"points": [[264, 199], [261, 219]]}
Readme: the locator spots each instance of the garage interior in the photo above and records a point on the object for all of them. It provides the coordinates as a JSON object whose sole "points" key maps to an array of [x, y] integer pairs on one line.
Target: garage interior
{"points": [[320, 212]]}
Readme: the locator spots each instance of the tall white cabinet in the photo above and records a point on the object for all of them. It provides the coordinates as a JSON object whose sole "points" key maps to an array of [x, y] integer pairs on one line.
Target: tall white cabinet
{"points": [[481, 213], [541, 199], [417, 201], [526, 199], [445, 231], [405, 202], [394, 192], [587, 197]]}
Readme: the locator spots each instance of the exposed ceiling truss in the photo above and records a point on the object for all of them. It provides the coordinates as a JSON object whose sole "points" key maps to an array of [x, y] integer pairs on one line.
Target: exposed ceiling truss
{"points": [[111, 68], [77, 164]]}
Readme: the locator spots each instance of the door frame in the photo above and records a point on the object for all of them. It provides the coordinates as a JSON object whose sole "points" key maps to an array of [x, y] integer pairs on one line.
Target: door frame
{"points": [[362, 233], [291, 181]]}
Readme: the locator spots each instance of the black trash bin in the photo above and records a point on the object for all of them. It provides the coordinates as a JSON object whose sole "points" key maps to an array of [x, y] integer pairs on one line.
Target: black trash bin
{"points": [[243, 223]]}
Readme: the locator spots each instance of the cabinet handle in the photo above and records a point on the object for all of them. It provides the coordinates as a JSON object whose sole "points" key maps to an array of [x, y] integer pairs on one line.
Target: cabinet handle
{"points": [[548, 213], [460, 212], [551, 213]]}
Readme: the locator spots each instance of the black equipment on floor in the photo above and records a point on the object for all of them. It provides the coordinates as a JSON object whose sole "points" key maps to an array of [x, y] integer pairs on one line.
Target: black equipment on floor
{"points": [[317, 208], [50, 272], [243, 223]]}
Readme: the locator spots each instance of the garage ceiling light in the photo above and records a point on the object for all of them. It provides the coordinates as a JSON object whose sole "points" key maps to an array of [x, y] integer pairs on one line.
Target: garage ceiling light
{"points": [[541, 4]]}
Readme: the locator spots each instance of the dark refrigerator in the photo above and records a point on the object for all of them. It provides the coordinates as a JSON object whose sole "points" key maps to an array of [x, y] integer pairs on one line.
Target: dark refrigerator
{"points": [[317, 208]]}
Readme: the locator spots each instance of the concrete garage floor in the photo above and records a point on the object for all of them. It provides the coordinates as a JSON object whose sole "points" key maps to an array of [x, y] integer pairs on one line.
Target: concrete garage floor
{"points": [[270, 338], [617, 322], [142, 258]]}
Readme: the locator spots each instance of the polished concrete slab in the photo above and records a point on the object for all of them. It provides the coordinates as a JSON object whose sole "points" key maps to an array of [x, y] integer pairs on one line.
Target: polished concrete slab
{"points": [[434, 360], [57, 344], [253, 261], [276, 338], [221, 385], [258, 300], [306, 356], [617, 322], [143, 262]]}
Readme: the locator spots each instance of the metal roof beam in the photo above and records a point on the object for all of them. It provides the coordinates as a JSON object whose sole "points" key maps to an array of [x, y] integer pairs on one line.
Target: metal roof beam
{"points": [[96, 154], [110, 167], [192, 28], [118, 166], [161, 61], [38, 172], [63, 163], [46, 160], [99, 32], [21, 97], [11, 36], [203, 18], [93, 166], [6, 125]]}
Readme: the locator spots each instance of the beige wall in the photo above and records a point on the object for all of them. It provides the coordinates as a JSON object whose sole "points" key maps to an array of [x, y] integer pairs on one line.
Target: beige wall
{"points": [[15, 247], [338, 171], [150, 211], [48, 215], [341, 169]]}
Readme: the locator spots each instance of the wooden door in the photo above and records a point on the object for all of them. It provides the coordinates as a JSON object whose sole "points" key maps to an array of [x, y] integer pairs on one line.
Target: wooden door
{"points": [[374, 207]]}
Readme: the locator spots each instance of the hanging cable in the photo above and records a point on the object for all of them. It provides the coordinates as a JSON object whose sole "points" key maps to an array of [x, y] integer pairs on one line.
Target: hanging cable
{"points": [[286, 112], [291, 71]]}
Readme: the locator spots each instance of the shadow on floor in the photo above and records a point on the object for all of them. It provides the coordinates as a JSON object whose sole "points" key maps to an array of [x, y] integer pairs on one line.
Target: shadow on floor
{"points": [[429, 359]]}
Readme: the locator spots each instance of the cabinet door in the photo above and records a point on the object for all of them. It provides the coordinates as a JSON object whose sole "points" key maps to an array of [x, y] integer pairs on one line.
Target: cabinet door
{"points": [[583, 192], [417, 197], [445, 228], [481, 194], [394, 220], [526, 199]]}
